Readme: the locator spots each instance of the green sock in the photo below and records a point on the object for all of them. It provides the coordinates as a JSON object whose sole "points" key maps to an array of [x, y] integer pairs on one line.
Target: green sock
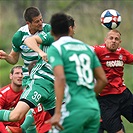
{"points": [[28, 125], [4, 115]]}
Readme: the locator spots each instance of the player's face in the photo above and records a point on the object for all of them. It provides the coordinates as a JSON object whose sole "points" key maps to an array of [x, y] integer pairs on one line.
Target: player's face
{"points": [[36, 24], [17, 77], [112, 41]]}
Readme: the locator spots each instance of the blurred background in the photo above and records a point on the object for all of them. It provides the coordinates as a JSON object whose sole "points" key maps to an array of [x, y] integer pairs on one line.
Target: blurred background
{"points": [[88, 27]]}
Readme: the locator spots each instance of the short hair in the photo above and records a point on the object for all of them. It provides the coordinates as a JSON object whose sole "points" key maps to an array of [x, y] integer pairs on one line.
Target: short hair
{"points": [[70, 21], [116, 31], [59, 24], [12, 69], [31, 65], [30, 13]]}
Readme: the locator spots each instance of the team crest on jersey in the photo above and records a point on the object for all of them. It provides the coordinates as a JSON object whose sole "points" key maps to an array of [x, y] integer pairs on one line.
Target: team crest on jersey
{"points": [[120, 56], [24, 48]]}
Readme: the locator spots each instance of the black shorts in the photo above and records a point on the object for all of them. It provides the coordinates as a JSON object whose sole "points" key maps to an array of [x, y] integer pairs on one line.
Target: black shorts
{"points": [[112, 107]]}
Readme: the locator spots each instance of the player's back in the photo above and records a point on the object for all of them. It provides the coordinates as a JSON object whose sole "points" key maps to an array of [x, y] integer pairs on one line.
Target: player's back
{"points": [[79, 62]]}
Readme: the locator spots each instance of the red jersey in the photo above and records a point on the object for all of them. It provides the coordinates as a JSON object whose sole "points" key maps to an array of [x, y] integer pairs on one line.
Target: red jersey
{"points": [[40, 116], [113, 65], [8, 101]]}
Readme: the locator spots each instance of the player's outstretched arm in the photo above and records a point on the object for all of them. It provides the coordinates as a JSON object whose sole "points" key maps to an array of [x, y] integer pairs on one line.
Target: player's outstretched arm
{"points": [[11, 58], [33, 43]]}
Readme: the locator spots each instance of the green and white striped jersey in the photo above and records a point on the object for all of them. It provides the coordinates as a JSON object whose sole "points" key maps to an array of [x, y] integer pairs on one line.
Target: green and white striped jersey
{"points": [[42, 68], [27, 54]]}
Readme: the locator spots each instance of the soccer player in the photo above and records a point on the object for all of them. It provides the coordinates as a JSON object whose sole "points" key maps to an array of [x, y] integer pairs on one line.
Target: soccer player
{"points": [[36, 115], [74, 65], [10, 94], [40, 90], [115, 99], [34, 26], [41, 74]]}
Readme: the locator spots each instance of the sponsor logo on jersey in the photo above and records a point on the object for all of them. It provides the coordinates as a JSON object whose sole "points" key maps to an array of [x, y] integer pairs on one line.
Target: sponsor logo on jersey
{"points": [[107, 56], [115, 63], [24, 48], [120, 56]]}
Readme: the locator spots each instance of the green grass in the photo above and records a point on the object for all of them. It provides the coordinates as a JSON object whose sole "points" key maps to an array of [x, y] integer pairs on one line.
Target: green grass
{"points": [[128, 126]]}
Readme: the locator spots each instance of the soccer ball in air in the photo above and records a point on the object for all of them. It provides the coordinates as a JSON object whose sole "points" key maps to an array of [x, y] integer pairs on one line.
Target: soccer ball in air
{"points": [[110, 19]]}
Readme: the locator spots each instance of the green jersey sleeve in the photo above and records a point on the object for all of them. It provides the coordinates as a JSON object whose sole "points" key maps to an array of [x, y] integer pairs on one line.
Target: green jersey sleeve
{"points": [[54, 56], [47, 38], [47, 28], [16, 41]]}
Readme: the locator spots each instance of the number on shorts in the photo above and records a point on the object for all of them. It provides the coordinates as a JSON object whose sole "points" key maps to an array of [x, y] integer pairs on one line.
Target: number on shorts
{"points": [[36, 96]]}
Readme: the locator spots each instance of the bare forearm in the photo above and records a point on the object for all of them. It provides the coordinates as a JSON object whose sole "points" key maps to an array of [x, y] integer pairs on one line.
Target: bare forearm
{"points": [[99, 86], [59, 91], [31, 42], [12, 58], [101, 79]]}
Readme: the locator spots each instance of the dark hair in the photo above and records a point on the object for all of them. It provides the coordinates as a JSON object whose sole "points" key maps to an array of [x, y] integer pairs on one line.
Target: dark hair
{"points": [[31, 65], [70, 21], [30, 13], [12, 69], [59, 24]]}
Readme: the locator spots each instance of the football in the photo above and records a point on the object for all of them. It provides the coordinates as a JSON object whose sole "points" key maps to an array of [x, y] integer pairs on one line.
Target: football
{"points": [[110, 19]]}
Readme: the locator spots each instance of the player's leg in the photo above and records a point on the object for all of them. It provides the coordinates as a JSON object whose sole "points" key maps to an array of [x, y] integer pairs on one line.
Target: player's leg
{"points": [[15, 115], [127, 105], [92, 126], [110, 113], [19, 111], [28, 125]]}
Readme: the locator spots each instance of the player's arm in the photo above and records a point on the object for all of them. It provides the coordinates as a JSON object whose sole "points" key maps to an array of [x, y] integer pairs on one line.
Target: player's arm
{"points": [[101, 79], [11, 58], [32, 43], [59, 86], [59, 83]]}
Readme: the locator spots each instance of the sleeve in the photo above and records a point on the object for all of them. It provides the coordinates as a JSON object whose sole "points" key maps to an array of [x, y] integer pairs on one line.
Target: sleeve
{"points": [[47, 28], [47, 38], [2, 100], [96, 49], [16, 41], [129, 57], [54, 56]]}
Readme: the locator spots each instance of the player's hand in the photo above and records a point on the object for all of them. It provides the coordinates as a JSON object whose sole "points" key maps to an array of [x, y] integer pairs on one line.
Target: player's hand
{"points": [[55, 121], [3, 55], [43, 55]]}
